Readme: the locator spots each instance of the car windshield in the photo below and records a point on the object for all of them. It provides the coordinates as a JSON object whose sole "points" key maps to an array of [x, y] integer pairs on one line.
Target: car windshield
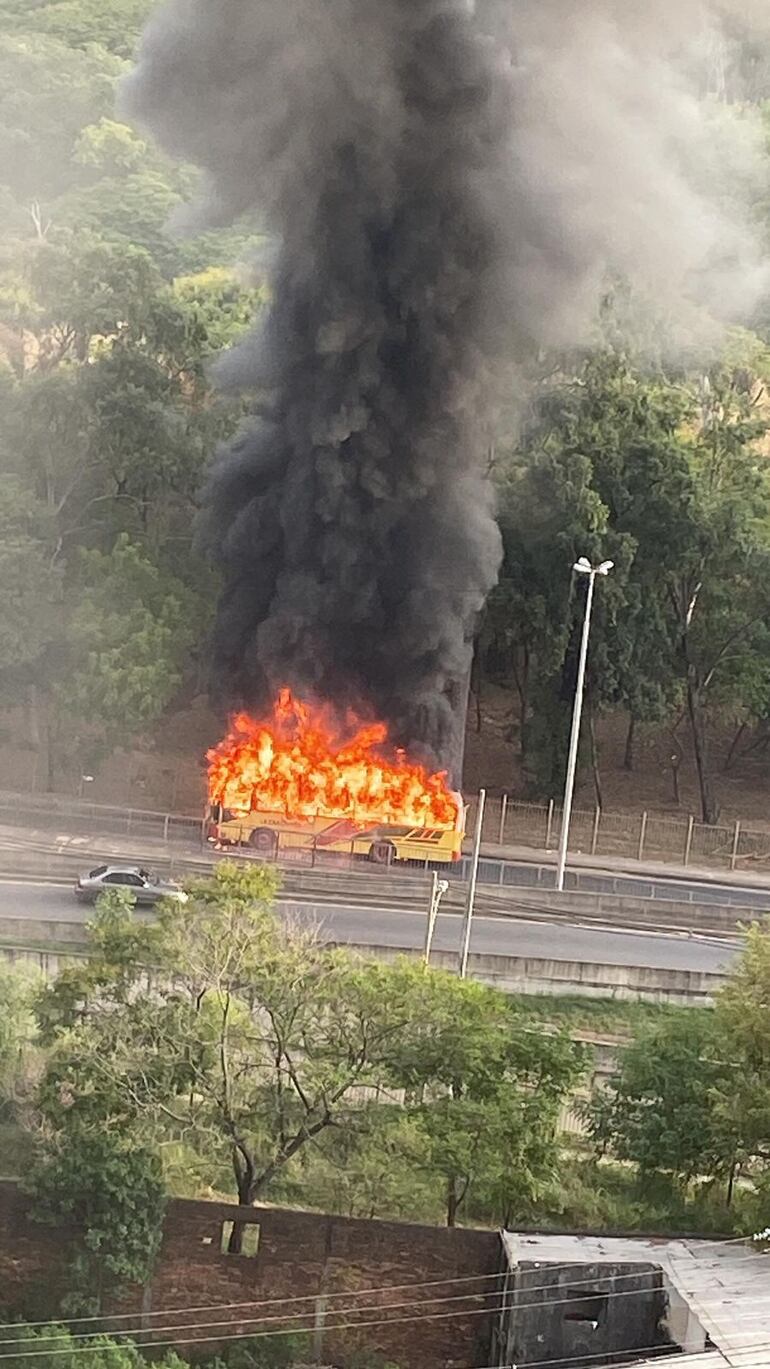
{"points": [[100, 870]]}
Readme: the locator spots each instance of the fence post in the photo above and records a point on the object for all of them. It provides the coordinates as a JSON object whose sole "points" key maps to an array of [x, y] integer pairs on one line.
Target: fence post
{"points": [[642, 835], [165, 829], [549, 826], [595, 833], [503, 811], [688, 840], [736, 843]]}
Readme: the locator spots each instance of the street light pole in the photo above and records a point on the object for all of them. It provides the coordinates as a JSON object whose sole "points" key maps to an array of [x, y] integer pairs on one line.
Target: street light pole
{"points": [[439, 887], [582, 567], [465, 944]]}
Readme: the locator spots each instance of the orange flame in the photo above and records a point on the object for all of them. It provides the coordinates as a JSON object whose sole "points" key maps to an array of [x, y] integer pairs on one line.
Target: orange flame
{"points": [[296, 763]]}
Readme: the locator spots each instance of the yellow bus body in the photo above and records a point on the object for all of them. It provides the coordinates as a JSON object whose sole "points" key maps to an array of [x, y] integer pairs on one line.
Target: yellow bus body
{"points": [[270, 833]]}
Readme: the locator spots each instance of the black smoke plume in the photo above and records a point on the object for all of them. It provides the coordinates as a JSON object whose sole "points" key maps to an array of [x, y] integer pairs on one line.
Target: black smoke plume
{"points": [[445, 181]]}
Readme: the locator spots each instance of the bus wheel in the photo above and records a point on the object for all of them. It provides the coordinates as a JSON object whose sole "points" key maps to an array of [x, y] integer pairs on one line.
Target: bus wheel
{"points": [[382, 853], [264, 841]]}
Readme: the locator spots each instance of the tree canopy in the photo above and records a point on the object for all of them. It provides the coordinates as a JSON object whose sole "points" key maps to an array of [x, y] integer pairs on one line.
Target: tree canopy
{"points": [[256, 1042], [108, 320]]}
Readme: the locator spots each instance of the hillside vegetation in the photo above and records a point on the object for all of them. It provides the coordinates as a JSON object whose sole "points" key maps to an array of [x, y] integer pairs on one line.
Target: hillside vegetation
{"points": [[107, 323]]}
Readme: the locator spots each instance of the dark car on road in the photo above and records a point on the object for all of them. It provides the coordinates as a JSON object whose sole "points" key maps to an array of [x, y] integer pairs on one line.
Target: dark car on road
{"points": [[146, 888]]}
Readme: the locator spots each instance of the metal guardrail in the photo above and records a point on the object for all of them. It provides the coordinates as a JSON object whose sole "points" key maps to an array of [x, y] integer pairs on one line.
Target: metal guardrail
{"points": [[507, 822], [681, 841], [181, 836]]}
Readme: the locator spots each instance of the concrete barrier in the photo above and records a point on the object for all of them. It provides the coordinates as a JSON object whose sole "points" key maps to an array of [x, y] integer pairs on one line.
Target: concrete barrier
{"points": [[615, 910], [511, 974]]}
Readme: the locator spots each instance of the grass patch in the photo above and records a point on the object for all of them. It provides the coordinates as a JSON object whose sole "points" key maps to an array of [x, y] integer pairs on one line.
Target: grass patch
{"points": [[618, 1017], [76, 949], [608, 1196]]}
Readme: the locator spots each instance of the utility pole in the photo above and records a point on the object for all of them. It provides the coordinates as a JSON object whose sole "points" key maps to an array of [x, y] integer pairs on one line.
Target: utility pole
{"points": [[472, 878], [438, 888], [582, 567]]}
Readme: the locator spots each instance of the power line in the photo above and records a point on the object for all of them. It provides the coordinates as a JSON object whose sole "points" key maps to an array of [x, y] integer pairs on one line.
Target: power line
{"points": [[502, 1295], [270, 1302], [382, 1288], [260, 1320], [350, 1293], [253, 1335], [392, 1321]]}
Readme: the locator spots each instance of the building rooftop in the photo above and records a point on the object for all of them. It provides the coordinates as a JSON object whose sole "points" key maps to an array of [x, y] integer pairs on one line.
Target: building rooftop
{"points": [[719, 1292]]}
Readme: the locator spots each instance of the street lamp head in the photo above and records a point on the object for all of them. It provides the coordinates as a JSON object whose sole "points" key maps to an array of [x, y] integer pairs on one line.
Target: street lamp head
{"points": [[583, 567]]}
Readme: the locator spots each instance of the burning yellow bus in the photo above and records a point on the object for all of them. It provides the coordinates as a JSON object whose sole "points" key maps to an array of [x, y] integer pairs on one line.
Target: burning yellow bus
{"points": [[292, 784], [382, 843]]}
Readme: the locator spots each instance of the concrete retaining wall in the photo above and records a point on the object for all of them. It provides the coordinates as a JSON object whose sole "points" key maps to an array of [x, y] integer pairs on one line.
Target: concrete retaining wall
{"points": [[512, 974]]}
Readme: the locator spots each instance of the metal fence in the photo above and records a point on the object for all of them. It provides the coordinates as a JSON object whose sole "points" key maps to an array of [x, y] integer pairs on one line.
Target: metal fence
{"points": [[507, 824], [643, 836]]}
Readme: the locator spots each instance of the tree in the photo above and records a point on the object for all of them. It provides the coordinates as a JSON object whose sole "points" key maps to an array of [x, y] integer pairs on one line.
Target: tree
{"points": [[31, 582], [742, 1098], [662, 474], [106, 1189], [58, 1347], [18, 987], [552, 511], [49, 91], [718, 582], [128, 636], [488, 1103], [658, 1112], [112, 24], [255, 1041]]}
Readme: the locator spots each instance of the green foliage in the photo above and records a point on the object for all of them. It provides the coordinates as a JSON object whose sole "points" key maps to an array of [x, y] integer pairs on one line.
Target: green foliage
{"points": [[130, 635], [659, 1111], [31, 581], [107, 417], [606, 1195], [59, 1346], [112, 24], [49, 91], [18, 986], [56, 1347], [219, 304], [106, 1190], [691, 1099], [660, 473], [257, 1043], [743, 1100]]}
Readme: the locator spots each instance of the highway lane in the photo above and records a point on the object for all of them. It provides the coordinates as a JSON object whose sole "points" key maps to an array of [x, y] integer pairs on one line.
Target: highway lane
{"points": [[397, 928]]}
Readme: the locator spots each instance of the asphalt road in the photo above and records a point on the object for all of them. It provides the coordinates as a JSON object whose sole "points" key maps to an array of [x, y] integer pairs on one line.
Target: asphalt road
{"points": [[492, 935]]}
